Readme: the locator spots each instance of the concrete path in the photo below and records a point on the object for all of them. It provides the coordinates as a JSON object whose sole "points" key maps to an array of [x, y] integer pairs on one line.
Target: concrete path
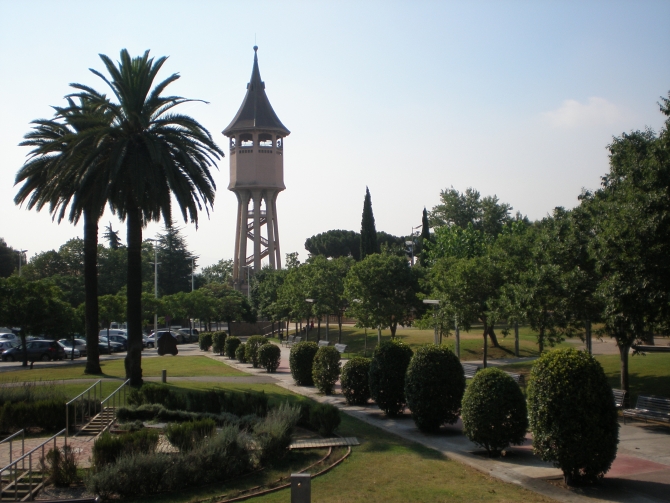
{"points": [[639, 474]]}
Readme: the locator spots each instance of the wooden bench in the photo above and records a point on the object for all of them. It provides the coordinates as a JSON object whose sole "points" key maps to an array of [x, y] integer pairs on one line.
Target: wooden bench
{"points": [[619, 397], [650, 408], [469, 370], [342, 348], [323, 344]]}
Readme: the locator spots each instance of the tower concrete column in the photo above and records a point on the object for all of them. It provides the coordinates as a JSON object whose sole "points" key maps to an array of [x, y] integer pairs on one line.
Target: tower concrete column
{"points": [[256, 195], [276, 230], [270, 220], [242, 235], [236, 255]]}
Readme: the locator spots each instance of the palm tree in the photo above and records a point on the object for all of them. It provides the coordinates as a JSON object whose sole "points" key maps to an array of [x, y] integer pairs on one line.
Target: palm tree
{"points": [[52, 175], [152, 155]]}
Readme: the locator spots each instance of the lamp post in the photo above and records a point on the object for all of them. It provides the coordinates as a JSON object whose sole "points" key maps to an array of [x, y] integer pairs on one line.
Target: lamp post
{"points": [[434, 303], [311, 301], [21, 252], [156, 264]]}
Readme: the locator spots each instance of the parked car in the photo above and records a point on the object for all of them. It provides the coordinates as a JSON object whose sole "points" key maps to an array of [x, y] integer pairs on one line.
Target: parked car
{"points": [[115, 346], [79, 344], [68, 351], [178, 336], [9, 336], [188, 337], [37, 350], [113, 331], [103, 349], [5, 344], [148, 341], [121, 339]]}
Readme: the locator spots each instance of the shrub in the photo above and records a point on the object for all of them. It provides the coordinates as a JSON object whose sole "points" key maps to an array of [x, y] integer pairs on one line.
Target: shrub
{"points": [[324, 418], [231, 346], [434, 386], [300, 360], [185, 436], [251, 351], [205, 341], [572, 415], [46, 414], [157, 394], [108, 448], [218, 342], [387, 376], [60, 466], [273, 434], [326, 369], [269, 357], [241, 353], [494, 411], [224, 457], [355, 380]]}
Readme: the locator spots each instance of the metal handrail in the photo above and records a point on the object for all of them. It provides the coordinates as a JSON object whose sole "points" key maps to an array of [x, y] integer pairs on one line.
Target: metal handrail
{"points": [[96, 393], [116, 401], [11, 438], [12, 467]]}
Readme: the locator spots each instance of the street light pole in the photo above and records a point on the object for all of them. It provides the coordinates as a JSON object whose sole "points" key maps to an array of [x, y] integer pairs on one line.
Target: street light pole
{"points": [[21, 252], [156, 264]]}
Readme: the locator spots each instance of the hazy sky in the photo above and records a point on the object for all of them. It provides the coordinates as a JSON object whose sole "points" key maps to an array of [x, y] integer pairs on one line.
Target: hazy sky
{"points": [[518, 99]]}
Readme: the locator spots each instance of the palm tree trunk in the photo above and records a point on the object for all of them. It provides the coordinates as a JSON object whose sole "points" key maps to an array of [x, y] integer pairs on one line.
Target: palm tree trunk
{"points": [[133, 362], [91, 293]]}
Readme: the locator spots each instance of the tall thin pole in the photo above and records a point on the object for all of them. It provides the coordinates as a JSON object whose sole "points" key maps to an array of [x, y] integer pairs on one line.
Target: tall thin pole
{"points": [[21, 252], [192, 272]]}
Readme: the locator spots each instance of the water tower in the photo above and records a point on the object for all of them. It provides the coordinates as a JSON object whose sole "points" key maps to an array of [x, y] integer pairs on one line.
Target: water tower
{"points": [[256, 177]]}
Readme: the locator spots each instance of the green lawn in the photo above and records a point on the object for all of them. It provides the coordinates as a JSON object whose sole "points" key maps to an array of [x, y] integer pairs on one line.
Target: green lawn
{"points": [[176, 366], [472, 343], [649, 374]]}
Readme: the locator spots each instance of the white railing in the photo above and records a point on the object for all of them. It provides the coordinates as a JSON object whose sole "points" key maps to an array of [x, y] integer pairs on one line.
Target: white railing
{"points": [[76, 403], [13, 467], [11, 438], [114, 401]]}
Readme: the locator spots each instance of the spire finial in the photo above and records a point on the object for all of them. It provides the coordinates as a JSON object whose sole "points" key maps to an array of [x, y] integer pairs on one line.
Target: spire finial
{"points": [[255, 48]]}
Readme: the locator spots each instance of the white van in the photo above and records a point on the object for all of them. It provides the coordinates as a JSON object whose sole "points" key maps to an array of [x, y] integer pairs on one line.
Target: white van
{"points": [[113, 331]]}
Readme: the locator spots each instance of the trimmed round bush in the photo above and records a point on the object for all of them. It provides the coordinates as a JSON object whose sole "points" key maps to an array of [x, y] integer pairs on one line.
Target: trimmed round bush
{"points": [[434, 386], [205, 341], [300, 360], [355, 380], [241, 353], [494, 411], [253, 343], [269, 357], [572, 415], [387, 376], [326, 369], [231, 345], [218, 341]]}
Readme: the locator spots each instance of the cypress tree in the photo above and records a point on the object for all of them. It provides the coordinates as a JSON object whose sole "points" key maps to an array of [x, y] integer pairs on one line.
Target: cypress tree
{"points": [[425, 236], [369, 243]]}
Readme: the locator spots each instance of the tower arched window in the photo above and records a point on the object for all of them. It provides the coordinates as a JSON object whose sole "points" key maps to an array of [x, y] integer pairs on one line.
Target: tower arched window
{"points": [[280, 142], [232, 142], [265, 140], [246, 140]]}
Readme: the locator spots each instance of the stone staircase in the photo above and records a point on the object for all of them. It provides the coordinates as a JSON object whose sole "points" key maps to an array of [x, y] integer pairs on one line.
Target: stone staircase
{"points": [[24, 488], [98, 424]]}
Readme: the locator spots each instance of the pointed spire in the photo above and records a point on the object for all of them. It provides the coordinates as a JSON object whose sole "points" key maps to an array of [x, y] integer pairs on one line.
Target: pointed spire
{"points": [[255, 111]]}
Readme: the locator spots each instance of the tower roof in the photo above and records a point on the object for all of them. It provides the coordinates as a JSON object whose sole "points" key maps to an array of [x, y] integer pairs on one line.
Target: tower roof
{"points": [[256, 111]]}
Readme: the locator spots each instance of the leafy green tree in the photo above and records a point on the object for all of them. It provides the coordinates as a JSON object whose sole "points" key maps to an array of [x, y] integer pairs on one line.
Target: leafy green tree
{"points": [[334, 244], [631, 244], [36, 307], [221, 272], [9, 259], [176, 262], [111, 308], [487, 215], [157, 154], [265, 287], [457, 242], [425, 238], [112, 270], [369, 243], [385, 288]]}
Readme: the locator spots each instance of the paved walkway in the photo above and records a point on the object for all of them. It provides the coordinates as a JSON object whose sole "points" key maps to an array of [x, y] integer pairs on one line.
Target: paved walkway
{"points": [[639, 474]]}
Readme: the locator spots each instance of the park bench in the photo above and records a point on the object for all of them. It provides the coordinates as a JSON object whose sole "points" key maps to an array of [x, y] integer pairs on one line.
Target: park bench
{"points": [[619, 397], [342, 348], [296, 340], [650, 408], [518, 378], [469, 370], [323, 344], [289, 339]]}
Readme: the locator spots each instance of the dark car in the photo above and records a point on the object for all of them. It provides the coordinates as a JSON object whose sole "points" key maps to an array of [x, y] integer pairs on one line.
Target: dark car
{"points": [[121, 340], [37, 350], [167, 344], [115, 346]]}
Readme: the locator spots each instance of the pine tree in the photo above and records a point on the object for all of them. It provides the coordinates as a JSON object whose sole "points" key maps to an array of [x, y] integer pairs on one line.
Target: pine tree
{"points": [[112, 237], [425, 237], [369, 243]]}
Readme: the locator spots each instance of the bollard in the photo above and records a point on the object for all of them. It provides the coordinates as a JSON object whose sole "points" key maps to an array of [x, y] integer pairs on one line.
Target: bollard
{"points": [[301, 489], [164, 376]]}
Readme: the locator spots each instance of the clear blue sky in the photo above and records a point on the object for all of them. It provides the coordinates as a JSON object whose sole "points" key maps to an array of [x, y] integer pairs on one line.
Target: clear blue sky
{"points": [[518, 99]]}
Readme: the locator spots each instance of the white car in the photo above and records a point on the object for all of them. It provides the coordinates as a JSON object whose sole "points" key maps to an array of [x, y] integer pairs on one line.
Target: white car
{"points": [[68, 351], [9, 337], [5, 344]]}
